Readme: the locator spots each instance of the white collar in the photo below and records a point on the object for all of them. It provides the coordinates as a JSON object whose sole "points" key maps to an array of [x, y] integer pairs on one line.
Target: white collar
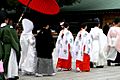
{"points": [[3, 24]]}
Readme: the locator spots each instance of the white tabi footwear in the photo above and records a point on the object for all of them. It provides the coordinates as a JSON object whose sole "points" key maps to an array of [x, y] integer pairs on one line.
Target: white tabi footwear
{"points": [[38, 75], [78, 69]]}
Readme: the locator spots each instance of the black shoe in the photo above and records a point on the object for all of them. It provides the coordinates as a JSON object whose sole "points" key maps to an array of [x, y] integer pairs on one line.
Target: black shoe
{"points": [[91, 65], [108, 62], [16, 78], [11, 79], [117, 64], [99, 66]]}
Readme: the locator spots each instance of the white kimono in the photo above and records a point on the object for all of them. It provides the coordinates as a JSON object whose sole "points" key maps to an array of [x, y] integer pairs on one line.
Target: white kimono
{"points": [[12, 65], [113, 42], [82, 40], [99, 42], [28, 50], [62, 44]]}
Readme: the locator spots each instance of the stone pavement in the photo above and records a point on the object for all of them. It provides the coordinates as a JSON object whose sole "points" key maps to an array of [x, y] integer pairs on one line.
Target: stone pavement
{"points": [[106, 73]]}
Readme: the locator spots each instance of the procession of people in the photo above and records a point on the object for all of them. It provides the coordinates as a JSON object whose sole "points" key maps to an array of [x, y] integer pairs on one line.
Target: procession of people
{"points": [[33, 54]]}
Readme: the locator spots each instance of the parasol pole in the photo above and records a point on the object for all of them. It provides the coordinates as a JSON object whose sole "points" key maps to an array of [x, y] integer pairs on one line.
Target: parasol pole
{"points": [[23, 12]]}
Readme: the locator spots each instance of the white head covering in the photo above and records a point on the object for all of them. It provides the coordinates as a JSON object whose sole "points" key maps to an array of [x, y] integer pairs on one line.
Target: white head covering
{"points": [[27, 26], [3, 24]]}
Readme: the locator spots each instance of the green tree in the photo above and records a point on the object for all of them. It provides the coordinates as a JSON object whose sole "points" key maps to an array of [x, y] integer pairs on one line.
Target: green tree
{"points": [[12, 3]]}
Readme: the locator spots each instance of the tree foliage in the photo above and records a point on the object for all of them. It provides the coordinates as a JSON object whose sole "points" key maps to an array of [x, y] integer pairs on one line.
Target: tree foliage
{"points": [[67, 2], [12, 2]]}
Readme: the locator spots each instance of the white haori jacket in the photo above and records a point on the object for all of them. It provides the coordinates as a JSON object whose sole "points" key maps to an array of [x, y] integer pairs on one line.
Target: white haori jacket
{"points": [[64, 39], [82, 45]]}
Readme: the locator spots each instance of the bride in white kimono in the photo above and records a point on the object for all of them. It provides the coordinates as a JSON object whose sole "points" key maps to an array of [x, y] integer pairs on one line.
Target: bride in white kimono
{"points": [[28, 51]]}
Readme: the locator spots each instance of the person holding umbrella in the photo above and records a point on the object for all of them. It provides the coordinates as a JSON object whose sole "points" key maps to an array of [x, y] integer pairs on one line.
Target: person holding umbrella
{"points": [[2, 77], [10, 45]]}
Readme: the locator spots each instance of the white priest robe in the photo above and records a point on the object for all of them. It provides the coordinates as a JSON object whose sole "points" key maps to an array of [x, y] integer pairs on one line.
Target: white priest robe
{"points": [[113, 42], [63, 49], [99, 42]]}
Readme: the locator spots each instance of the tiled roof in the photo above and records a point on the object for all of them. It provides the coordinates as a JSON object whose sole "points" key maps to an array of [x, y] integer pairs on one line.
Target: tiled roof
{"points": [[86, 5]]}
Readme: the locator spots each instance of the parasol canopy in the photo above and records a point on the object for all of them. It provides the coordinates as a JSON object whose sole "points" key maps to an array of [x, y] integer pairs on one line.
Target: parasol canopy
{"points": [[43, 6]]}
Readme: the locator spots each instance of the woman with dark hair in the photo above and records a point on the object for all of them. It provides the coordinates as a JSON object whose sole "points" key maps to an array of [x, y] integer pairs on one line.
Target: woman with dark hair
{"points": [[82, 49], [63, 48]]}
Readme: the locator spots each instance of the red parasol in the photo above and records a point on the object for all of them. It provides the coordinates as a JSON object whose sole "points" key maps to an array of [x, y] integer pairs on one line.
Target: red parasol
{"points": [[44, 6]]}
